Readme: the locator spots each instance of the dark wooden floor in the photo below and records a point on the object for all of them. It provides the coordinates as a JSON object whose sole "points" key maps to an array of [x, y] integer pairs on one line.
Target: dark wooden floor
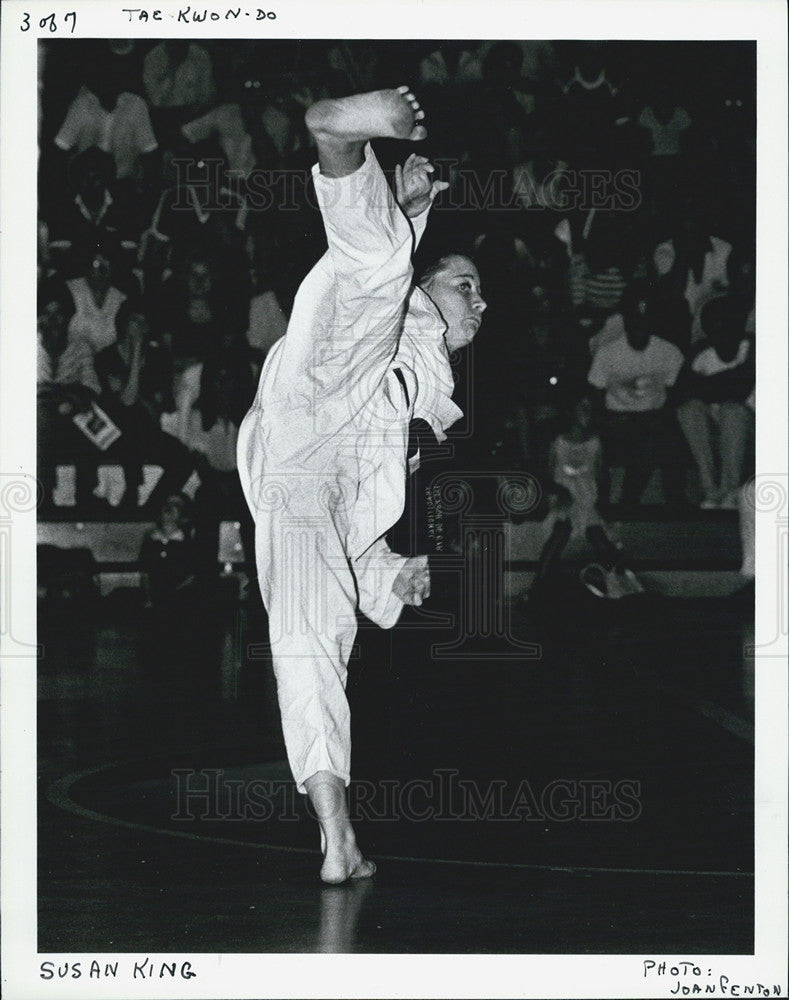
{"points": [[595, 798]]}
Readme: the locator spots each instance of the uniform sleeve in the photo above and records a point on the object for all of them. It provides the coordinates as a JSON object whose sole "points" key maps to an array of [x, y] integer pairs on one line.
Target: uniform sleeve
{"points": [[370, 239], [367, 275]]}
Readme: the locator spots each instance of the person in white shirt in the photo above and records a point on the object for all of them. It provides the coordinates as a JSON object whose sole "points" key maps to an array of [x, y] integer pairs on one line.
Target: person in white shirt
{"points": [[634, 373], [178, 74], [118, 123], [96, 301], [322, 452], [67, 384]]}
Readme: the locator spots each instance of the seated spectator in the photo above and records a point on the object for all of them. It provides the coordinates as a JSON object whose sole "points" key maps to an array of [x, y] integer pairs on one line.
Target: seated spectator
{"points": [[500, 111], [121, 59], [115, 121], [576, 471], [605, 280], [267, 321], [136, 381], [263, 130], [452, 62], [282, 124], [742, 283], [92, 216], [667, 312], [634, 374], [665, 126], [590, 109], [96, 299], [541, 374], [67, 384], [167, 557], [195, 304], [179, 83], [700, 259], [225, 126], [196, 213], [539, 184], [665, 122], [207, 423], [720, 381]]}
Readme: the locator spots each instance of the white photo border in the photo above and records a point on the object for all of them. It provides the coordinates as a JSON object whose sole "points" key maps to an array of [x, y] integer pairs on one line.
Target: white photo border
{"points": [[384, 975]]}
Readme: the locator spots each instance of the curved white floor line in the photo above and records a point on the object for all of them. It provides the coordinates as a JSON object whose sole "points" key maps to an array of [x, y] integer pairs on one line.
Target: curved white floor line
{"points": [[58, 795]]}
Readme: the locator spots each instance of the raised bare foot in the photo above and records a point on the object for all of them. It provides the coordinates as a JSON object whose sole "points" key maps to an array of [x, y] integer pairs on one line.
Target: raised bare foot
{"points": [[381, 114], [343, 861]]}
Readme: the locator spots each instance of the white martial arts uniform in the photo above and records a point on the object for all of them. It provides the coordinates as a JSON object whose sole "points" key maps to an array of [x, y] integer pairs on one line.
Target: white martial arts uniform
{"points": [[322, 454]]}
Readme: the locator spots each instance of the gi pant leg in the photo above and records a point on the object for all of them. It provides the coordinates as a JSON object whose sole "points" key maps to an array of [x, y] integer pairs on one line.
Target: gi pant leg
{"points": [[332, 366]]}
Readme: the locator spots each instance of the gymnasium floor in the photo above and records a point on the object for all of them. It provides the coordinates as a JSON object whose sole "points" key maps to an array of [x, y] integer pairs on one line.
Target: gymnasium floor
{"points": [[592, 793]]}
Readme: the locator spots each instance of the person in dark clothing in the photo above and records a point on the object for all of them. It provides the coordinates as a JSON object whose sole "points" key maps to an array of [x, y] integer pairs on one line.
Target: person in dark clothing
{"points": [[167, 555], [718, 384]]}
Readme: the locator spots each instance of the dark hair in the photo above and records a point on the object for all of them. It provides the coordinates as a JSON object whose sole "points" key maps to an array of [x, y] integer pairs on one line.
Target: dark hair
{"points": [[55, 290], [235, 361], [92, 159], [500, 54], [638, 290], [438, 266], [721, 317]]}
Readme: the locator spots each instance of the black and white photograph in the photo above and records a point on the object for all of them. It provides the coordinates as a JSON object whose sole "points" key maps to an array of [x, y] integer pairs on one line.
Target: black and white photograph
{"points": [[394, 559]]}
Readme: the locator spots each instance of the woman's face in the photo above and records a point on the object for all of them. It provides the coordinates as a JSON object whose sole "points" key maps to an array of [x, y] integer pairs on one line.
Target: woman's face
{"points": [[172, 513], [457, 293], [100, 272], [53, 322]]}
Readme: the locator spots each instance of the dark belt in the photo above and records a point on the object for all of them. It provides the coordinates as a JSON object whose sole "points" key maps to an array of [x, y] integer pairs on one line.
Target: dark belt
{"points": [[401, 379]]}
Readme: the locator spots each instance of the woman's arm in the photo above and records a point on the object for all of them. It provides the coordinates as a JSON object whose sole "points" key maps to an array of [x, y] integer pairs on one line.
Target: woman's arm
{"points": [[131, 391]]}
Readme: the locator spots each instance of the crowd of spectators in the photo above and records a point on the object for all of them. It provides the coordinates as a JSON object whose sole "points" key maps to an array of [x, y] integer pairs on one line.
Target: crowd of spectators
{"points": [[605, 190]]}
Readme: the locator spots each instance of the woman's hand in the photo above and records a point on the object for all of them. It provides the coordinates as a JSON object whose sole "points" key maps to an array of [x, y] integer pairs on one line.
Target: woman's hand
{"points": [[414, 187], [412, 584]]}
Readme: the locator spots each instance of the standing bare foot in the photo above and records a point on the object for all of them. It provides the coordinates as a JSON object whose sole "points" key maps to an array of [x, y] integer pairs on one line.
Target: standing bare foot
{"points": [[343, 861], [381, 114]]}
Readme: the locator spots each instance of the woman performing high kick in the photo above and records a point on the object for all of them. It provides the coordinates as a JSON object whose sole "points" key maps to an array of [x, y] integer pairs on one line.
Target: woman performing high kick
{"points": [[323, 450]]}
